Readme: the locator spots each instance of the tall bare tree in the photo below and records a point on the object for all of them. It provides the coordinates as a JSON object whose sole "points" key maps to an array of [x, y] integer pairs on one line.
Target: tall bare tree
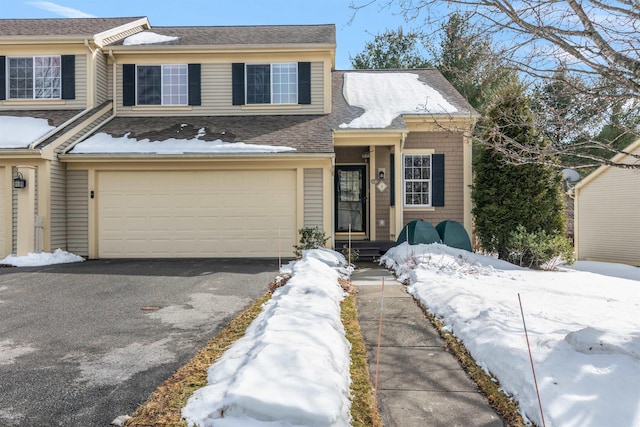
{"points": [[593, 42]]}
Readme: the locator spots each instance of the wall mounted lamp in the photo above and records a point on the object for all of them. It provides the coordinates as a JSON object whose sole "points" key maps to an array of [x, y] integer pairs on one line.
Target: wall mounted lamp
{"points": [[381, 173], [19, 181]]}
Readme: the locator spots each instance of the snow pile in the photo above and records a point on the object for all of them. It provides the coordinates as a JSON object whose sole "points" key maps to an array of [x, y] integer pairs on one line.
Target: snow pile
{"points": [[292, 366], [385, 96], [43, 258], [584, 331], [147, 37], [20, 132], [105, 143]]}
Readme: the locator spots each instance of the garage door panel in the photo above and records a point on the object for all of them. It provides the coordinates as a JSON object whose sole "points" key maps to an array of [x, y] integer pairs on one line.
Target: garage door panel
{"points": [[196, 214]]}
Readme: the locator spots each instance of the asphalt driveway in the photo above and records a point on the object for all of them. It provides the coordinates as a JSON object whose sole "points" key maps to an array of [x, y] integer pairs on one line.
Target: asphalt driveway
{"points": [[81, 344]]}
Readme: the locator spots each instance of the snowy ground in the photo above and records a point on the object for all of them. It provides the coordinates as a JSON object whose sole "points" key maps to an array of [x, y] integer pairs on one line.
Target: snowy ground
{"points": [[292, 366], [43, 258], [584, 329]]}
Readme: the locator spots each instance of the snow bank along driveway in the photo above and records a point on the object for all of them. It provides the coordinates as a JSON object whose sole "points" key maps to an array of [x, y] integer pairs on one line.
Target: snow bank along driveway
{"points": [[292, 366], [584, 330]]}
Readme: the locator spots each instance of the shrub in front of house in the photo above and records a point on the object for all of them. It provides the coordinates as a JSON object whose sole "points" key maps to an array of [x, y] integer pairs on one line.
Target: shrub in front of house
{"points": [[539, 249], [310, 238]]}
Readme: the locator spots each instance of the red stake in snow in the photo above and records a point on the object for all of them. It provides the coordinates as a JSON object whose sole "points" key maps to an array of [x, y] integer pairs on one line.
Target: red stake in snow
{"points": [[535, 381]]}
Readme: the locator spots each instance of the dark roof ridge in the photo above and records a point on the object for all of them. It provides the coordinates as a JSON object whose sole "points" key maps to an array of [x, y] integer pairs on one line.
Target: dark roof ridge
{"points": [[67, 19], [241, 26]]}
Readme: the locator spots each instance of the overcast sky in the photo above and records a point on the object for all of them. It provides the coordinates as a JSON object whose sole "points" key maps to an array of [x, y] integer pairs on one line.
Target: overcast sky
{"points": [[351, 37]]}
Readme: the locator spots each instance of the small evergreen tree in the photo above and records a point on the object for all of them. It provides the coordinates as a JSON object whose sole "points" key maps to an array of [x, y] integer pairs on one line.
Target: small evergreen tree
{"points": [[507, 196]]}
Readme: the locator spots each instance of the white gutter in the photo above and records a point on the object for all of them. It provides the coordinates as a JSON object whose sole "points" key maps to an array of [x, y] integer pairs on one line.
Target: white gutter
{"points": [[47, 135]]}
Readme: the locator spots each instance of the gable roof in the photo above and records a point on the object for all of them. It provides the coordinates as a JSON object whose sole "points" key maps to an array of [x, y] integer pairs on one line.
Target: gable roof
{"points": [[67, 27], [618, 158], [253, 35], [343, 113]]}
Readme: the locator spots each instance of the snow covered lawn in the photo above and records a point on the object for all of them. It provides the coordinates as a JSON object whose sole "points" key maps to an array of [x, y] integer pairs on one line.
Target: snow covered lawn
{"points": [[584, 329], [291, 368]]}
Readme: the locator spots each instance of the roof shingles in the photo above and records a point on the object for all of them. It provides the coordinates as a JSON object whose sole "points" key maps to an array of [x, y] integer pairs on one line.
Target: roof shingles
{"points": [[80, 27], [247, 35], [306, 134]]}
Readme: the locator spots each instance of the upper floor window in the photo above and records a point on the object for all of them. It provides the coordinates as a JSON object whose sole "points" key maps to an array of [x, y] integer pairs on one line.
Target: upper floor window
{"points": [[276, 83], [272, 83], [37, 77], [162, 84]]}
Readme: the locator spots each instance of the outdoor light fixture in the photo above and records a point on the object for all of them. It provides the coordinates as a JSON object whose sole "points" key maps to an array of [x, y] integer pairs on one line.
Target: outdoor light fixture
{"points": [[381, 173], [19, 181]]}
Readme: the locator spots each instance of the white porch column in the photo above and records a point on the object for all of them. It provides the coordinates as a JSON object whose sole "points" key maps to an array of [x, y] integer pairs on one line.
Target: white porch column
{"points": [[26, 211]]}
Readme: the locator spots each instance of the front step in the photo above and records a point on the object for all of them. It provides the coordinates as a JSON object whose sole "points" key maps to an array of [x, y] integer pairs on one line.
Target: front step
{"points": [[367, 249]]}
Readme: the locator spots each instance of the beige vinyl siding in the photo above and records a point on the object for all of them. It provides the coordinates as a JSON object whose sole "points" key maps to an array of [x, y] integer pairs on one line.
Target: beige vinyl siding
{"points": [[216, 97], [3, 230], [102, 71], [58, 210], [77, 196], [313, 197], [608, 217], [451, 145]]}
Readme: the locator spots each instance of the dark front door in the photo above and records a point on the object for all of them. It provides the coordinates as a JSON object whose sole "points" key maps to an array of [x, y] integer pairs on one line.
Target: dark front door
{"points": [[350, 198]]}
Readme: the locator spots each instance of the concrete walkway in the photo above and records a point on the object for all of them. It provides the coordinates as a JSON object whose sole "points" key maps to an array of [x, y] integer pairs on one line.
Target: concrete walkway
{"points": [[419, 383]]}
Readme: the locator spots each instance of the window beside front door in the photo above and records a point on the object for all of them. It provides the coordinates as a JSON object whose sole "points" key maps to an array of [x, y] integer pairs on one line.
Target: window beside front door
{"points": [[423, 180], [37, 77], [350, 198], [417, 180]]}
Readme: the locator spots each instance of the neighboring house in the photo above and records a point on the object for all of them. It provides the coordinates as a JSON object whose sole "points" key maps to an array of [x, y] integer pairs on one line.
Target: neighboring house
{"points": [[607, 212], [215, 141]]}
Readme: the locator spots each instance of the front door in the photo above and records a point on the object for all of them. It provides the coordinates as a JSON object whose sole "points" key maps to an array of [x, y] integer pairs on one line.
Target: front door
{"points": [[350, 198]]}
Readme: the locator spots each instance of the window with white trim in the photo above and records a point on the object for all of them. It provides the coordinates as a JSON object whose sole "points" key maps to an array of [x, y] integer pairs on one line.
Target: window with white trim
{"points": [[272, 83], [417, 180], [36, 77], [162, 84]]}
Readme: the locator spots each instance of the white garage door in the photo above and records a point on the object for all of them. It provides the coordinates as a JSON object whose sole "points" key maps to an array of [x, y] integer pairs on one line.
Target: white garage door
{"points": [[196, 214], [3, 230]]}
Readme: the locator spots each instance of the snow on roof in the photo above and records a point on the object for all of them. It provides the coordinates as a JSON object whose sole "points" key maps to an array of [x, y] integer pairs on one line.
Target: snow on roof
{"points": [[20, 132], [147, 37], [385, 96], [105, 143]]}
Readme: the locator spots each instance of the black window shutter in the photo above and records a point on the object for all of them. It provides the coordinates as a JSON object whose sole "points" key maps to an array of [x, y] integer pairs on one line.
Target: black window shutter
{"points": [[128, 85], [68, 71], [437, 176], [392, 180], [237, 83], [304, 83], [194, 85], [3, 78]]}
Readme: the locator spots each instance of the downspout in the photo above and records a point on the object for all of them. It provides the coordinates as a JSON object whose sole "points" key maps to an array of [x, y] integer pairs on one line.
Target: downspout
{"points": [[91, 90], [113, 82]]}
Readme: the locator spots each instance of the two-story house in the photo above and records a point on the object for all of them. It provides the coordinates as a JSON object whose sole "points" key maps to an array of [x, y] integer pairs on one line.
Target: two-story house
{"points": [[122, 140]]}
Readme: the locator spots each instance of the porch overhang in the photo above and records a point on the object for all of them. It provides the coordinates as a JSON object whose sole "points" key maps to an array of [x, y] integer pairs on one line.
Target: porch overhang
{"points": [[440, 122], [367, 137]]}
